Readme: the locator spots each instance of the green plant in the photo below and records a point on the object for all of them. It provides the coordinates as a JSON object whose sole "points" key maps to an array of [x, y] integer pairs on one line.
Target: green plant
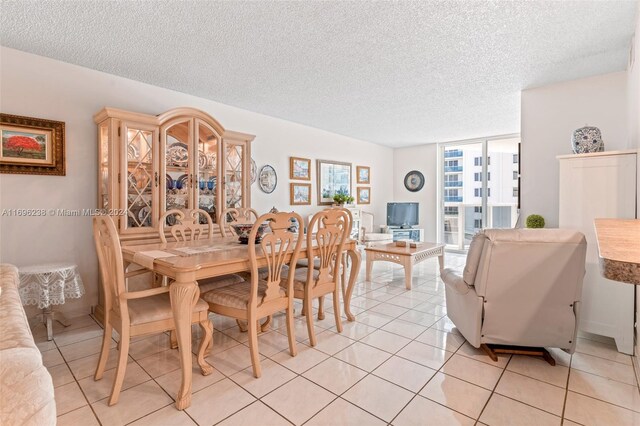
{"points": [[343, 199], [535, 221]]}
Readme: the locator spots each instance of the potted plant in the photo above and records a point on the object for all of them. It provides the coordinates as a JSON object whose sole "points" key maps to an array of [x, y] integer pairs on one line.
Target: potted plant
{"points": [[535, 221], [342, 199]]}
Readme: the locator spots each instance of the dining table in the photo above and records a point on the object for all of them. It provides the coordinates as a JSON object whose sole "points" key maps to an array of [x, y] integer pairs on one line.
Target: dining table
{"points": [[184, 263]]}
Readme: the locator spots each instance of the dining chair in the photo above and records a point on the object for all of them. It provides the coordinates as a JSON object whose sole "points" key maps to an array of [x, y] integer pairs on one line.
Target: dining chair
{"points": [[134, 313], [261, 298], [332, 231], [236, 215]]}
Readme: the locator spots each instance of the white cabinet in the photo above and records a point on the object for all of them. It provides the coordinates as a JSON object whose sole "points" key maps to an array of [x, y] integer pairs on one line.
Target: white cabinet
{"points": [[600, 185]]}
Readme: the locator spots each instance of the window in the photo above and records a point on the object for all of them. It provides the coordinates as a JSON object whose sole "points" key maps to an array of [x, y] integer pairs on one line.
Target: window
{"points": [[477, 223], [515, 158], [477, 192], [488, 192], [488, 161], [450, 210], [477, 209], [451, 192], [515, 191], [477, 161], [515, 175], [488, 175], [477, 177], [451, 163], [451, 178]]}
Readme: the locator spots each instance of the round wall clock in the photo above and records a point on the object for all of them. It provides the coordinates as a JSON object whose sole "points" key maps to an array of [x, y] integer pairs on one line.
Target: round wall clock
{"points": [[267, 179], [414, 181]]}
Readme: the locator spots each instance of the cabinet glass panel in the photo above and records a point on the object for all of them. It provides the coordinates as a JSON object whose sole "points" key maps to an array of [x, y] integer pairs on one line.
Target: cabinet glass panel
{"points": [[177, 166], [207, 171], [233, 175], [104, 166], [139, 178]]}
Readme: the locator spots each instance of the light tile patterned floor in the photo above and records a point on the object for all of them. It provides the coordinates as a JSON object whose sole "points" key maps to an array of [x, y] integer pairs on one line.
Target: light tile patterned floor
{"points": [[402, 363]]}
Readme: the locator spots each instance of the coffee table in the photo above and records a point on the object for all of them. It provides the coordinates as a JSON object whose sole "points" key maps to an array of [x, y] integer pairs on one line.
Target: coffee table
{"points": [[404, 256]]}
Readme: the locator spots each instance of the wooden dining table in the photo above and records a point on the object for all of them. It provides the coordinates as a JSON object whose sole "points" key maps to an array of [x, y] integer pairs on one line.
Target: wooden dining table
{"points": [[187, 262]]}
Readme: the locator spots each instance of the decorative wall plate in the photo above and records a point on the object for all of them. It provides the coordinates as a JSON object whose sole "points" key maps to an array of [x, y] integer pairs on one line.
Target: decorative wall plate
{"points": [[414, 181], [254, 171], [267, 179]]}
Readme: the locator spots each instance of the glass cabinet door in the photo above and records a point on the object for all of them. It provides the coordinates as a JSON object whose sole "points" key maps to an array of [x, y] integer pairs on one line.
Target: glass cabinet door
{"points": [[234, 174], [141, 177], [177, 158], [104, 189], [207, 142]]}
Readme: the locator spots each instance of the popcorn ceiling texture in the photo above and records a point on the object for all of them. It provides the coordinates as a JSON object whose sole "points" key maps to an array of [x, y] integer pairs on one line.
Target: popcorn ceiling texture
{"points": [[395, 73]]}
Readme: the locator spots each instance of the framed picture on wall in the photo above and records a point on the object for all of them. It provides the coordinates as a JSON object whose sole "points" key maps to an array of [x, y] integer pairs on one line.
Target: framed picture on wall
{"points": [[32, 146], [363, 174], [334, 177], [300, 168], [364, 195], [299, 194]]}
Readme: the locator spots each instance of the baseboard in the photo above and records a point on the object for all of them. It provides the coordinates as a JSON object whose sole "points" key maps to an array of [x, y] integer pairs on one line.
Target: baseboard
{"points": [[636, 367]]}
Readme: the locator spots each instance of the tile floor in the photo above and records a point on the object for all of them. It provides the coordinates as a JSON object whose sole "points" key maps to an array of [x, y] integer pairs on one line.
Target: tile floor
{"points": [[402, 362]]}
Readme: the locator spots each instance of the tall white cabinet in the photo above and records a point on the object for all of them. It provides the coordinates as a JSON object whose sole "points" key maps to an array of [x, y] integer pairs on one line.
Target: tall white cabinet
{"points": [[600, 185]]}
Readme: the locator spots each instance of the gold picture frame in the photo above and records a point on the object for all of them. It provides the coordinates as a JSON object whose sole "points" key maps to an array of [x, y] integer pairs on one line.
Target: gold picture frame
{"points": [[363, 174], [334, 177], [299, 194], [364, 194], [31, 146], [299, 168]]}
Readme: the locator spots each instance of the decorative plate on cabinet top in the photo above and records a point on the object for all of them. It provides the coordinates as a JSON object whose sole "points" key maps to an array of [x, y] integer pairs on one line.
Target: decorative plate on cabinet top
{"points": [[177, 155]]}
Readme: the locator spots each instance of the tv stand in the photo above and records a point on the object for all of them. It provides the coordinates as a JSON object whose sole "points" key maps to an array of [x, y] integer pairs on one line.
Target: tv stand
{"points": [[414, 234]]}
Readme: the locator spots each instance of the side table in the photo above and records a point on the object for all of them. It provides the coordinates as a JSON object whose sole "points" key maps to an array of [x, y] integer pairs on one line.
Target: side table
{"points": [[50, 284]]}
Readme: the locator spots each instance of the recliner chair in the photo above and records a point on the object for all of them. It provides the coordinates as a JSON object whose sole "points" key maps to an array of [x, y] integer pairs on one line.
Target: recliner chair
{"points": [[519, 287]]}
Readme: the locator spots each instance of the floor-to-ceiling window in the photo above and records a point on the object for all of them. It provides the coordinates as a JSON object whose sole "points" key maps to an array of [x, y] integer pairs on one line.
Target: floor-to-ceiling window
{"points": [[479, 188]]}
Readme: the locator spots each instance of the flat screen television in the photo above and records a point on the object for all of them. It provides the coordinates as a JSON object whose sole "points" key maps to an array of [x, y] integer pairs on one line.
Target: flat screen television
{"points": [[404, 215]]}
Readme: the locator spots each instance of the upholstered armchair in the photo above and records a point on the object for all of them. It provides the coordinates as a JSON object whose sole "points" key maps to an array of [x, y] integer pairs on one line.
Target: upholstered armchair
{"points": [[519, 287], [367, 236]]}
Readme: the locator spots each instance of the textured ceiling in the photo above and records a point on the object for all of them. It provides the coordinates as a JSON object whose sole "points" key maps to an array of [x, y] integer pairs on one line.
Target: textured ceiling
{"points": [[395, 73]]}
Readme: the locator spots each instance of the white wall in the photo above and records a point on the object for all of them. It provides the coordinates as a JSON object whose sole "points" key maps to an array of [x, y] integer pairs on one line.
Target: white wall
{"points": [[549, 115], [40, 87], [423, 158], [633, 82]]}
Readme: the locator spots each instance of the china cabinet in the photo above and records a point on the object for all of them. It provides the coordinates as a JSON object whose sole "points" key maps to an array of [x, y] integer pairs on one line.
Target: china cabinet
{"points": [[182, 158]]}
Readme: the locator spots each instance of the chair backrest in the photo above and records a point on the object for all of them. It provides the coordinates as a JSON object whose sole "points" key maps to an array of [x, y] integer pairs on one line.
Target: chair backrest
{"points": [[333, 229], [187, 225], [237, 215], [366, 221], [275, 245], [531, 282], [109, 252]]}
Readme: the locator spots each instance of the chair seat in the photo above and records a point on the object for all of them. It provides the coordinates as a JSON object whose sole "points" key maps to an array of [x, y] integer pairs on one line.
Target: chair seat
{"points": [[236, 295], [304, 263], [209, 284], [376, 236], [299, 279], [156, 308]]}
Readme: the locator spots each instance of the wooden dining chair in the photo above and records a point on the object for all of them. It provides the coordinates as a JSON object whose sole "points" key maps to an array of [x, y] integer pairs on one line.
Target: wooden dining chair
{"points": [[332, 231], [236, 215], [261, 298], [134, 313]]}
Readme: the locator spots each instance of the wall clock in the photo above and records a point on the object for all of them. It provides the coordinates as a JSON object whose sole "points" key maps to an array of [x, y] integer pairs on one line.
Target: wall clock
{"points": [[414, 181], [267, 179]]}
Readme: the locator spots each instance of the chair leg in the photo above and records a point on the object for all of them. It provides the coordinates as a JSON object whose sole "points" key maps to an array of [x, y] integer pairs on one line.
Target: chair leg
{"points": [[104, 352], [336, 309], [291, 331], [122, 366], [266, 324], [207, 338], [253, 347], [242, 325], [307, 306], [320, 308], [174, 339]]}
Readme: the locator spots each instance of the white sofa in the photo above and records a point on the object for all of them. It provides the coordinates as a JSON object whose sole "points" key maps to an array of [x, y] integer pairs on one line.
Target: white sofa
{"points": [[26, 389]]}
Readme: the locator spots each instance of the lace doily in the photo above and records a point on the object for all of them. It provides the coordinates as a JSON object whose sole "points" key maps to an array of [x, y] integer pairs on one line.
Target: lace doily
{"points": [[49, 284]]}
